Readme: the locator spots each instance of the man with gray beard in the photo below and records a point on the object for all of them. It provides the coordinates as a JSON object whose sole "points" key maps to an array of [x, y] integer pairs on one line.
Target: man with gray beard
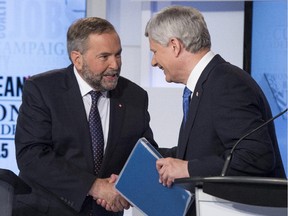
{"points": [[54, 137]]}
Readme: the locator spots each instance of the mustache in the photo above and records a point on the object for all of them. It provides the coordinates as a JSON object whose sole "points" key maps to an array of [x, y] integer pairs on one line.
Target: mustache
{"points": [[112, 73]]}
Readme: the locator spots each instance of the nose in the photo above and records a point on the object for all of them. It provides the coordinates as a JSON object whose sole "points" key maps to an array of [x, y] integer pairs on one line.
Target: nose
{"points": [[154, 62], [115, 62]]}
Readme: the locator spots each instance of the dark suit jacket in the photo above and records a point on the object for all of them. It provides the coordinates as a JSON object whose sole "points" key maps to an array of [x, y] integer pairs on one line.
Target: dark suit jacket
{"points": [[53, 146], [226, 104]]}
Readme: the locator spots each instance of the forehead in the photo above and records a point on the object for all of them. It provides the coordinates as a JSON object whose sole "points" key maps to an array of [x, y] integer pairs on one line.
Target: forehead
{"points": [[157, 47], [154, 45], [104, 37], [110, 41]]}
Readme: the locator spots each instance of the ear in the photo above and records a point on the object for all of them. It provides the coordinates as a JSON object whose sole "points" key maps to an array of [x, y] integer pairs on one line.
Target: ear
{"points": [[176, 46], [77, 59]]}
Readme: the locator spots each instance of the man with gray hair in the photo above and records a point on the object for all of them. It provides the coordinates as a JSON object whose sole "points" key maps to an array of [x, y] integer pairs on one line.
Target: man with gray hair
{"points": [[223, 104]]}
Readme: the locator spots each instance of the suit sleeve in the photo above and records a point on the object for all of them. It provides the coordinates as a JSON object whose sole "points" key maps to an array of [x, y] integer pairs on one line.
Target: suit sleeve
{"points": [[36, 155], [239, 106]]}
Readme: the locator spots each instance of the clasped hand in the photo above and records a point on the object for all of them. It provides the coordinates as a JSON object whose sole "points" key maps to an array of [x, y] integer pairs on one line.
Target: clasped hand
{"points": [[104, 193]]}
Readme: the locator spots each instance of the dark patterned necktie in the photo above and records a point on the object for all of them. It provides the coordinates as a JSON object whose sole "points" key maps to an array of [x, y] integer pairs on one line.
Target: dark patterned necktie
{"points": [[186, 101], [96, 132]]}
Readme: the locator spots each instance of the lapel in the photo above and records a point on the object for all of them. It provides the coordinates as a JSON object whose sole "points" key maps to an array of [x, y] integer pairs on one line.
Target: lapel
{"points": [[117, 112], [193, 108], [75, 111]]}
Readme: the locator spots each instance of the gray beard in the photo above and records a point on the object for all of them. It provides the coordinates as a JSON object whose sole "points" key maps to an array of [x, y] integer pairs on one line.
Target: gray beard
{"points": [[95, 81]]}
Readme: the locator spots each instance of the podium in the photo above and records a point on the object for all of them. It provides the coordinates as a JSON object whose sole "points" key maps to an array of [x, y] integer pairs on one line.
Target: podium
{"points": [[10, 184], [238, 195]]}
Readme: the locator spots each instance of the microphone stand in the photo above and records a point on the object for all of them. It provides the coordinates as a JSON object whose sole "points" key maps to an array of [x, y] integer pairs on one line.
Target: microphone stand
{"points": [[228, 159]]}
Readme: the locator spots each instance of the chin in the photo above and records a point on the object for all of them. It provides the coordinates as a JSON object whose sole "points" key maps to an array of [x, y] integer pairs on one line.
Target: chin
{"points": [[110, 86], [168, 80]]}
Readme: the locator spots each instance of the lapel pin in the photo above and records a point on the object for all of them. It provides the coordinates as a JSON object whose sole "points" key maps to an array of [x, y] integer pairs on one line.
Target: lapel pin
{"points": [[197, 94], [120, 105]]}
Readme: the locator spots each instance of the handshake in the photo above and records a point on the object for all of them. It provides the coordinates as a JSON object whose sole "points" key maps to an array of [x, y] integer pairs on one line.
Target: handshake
{"points": [[104, 193]]}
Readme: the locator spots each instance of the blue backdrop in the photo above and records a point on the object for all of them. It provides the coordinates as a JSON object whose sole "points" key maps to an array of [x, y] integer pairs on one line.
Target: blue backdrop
{"points": [[269, 60]]}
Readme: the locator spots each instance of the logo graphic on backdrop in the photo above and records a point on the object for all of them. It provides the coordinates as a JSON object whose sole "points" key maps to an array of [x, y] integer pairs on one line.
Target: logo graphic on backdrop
{"points": [[32, 40], [278, 86]]}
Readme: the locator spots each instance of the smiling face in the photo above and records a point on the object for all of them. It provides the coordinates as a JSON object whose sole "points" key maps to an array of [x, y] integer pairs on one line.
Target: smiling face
{"points": [[100, 65], [164, 58]]}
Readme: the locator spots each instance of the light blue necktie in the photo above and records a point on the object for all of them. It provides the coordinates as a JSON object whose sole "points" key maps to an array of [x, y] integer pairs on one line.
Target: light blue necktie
{"points": [[96, 132], [186, 102]]}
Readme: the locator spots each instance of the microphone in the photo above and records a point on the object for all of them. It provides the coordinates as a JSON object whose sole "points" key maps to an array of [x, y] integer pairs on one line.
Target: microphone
{"points": [[228, 159]]}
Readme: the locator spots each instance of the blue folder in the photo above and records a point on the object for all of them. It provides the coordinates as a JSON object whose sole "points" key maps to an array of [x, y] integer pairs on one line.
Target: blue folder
{"points": [[139, 183]]}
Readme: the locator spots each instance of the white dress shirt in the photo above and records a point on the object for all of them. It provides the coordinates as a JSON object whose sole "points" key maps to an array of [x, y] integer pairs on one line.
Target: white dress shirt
{"points": [[197, 71], [103, 104]]}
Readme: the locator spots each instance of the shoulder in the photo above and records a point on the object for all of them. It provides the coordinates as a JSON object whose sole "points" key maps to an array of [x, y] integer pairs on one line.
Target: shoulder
{"points": [[51, 75], [221, 72], [51, 81], [231, 81]]}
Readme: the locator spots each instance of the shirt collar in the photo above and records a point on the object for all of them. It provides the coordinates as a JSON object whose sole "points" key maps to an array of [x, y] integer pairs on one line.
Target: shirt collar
{"points": [[198, 69]]}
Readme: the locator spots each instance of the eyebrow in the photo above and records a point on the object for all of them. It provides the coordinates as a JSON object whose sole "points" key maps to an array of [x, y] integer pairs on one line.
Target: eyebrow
{"points": [[109, 53], [120, 51]]}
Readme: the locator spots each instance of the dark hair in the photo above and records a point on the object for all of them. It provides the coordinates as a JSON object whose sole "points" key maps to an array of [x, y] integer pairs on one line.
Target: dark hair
{"points": [[80, 30]]}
